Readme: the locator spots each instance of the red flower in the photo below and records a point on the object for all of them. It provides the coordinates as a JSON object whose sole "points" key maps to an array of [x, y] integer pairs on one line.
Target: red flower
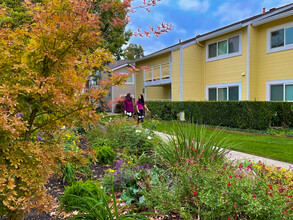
{"points": [[230, 177], [166, 203], [270, 187], [148, 185], [191, 187], [194, 193], [254, 196], [229, 218], [234, 206], [229, 184], [270, 195]]}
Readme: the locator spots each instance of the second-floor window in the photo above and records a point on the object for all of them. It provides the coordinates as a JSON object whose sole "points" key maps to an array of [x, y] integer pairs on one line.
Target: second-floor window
{"points": [[225, 48], [280, 38]]}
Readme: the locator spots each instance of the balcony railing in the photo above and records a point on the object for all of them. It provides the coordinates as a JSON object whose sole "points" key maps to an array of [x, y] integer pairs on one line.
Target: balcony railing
{"points": [[159, 74]]}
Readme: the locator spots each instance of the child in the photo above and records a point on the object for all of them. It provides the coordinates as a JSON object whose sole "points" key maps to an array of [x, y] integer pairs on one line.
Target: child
{"points": [[128, 106], [140, 105]]}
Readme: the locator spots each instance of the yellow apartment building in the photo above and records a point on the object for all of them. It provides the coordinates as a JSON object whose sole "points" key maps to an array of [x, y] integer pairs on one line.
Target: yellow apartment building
{"points": [[248, 60]]}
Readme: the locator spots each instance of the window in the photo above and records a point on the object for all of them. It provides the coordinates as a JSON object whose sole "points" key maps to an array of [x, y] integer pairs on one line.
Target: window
{"points": [[280, 38], [130, 79], [226, 48], [224, 92], [282, 92]]}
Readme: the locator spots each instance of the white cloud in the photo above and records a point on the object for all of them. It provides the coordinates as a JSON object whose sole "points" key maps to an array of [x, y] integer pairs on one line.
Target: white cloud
{"points": [[230, 13], [194, 5]]}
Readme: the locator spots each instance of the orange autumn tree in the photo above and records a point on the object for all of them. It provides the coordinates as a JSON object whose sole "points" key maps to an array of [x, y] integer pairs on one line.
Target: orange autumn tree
{"points": [[44, 66], [43, 70]]}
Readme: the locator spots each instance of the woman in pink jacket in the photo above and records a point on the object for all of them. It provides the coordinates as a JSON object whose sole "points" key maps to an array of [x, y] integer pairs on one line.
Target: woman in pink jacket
{"points": [[140, 105], [128, 106]]}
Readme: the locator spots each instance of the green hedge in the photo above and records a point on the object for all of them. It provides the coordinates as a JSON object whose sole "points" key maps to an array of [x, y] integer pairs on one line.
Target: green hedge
{"points": [[243, 114]]}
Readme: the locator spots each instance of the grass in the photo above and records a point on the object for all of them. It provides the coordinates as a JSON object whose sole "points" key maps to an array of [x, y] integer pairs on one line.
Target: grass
{"points": [[277, 148]]}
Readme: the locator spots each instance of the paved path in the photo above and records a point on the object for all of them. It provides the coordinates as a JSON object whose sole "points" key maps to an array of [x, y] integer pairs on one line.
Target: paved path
{"points": [[235, 155]]}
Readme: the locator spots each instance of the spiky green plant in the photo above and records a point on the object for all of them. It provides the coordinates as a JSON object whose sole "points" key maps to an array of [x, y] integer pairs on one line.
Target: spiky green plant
{"points": [[189, 142]]}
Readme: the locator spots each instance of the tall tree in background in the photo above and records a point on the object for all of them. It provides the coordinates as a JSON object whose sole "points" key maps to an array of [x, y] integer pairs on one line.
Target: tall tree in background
{"points": [[112, 21], [133, 52]]}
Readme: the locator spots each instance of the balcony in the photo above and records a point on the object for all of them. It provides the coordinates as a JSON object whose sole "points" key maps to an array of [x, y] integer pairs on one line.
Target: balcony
{"points": [[157, 75]]}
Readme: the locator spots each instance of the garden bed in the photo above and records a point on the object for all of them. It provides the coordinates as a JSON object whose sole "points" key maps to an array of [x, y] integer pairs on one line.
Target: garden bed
{"points": [[119, 170]]}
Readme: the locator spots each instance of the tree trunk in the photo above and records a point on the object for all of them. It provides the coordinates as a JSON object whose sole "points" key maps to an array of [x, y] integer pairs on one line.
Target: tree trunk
{"points": [[30, 124]]}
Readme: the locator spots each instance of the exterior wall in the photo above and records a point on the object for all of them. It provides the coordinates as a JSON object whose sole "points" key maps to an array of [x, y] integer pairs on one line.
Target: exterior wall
{"points": [[253, 64], [159, 92], [164, 58], [228, 70], [118, 91], [176, 75], [193, 73], [272, 66]]}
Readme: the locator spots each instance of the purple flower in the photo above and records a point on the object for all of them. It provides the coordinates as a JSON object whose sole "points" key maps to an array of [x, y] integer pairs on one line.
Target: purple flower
{"points": [[19, 114], [40, 136], [101, 128]]}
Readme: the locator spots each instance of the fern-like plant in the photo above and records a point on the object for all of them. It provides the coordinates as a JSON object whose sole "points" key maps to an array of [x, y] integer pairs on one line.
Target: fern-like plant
{"points": [[72, 194], [105, 154]]}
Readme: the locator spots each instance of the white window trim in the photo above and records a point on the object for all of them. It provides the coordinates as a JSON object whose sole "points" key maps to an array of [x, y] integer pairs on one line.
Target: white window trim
{"points": [[224, 56], [281, 48], [224, 85], [277, 82]]}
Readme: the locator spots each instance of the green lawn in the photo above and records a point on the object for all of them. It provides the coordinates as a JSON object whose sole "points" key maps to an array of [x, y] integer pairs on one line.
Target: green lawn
{"points": [[278, 148]]}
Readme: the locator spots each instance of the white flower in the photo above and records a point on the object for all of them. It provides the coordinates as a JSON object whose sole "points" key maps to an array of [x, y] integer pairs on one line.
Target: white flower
{"points": [[149, 137], [138, 131]]}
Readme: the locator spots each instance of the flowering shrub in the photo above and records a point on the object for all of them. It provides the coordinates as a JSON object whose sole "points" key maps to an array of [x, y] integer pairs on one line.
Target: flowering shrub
{"points": [[122, 133], [222, 190]]}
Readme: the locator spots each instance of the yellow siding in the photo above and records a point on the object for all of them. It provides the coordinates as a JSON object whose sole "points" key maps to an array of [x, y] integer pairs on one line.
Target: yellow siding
{"points": [[176, 76], [193, 73], [227, 70], [158, 92], [253, 64], [153, 93], [272, 66]]}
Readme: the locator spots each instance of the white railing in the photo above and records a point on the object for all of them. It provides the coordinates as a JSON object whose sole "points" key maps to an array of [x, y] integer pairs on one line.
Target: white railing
{"points": [[158, 72]]}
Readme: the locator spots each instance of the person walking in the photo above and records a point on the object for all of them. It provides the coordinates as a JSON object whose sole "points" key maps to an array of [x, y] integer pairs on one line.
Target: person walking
{"points": [[128, 106], [140, 105]]}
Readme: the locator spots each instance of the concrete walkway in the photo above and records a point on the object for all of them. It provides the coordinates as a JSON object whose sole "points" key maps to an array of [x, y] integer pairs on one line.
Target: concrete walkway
{"points": [[239, 156]]}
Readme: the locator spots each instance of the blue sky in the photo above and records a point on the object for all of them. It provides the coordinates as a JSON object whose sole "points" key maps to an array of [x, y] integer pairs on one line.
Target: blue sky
{"points": [[193, 17]]}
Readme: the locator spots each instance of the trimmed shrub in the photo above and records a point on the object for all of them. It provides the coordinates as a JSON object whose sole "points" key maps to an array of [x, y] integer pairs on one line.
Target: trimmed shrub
{"points": [[243, 114]]}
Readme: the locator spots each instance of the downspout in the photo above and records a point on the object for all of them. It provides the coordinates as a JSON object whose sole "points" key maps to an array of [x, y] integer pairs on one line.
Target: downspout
{"points": [[248, 63]]}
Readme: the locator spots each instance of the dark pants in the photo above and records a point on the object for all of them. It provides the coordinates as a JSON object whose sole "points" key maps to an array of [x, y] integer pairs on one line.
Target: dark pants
{"points": [[140, 116]]}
